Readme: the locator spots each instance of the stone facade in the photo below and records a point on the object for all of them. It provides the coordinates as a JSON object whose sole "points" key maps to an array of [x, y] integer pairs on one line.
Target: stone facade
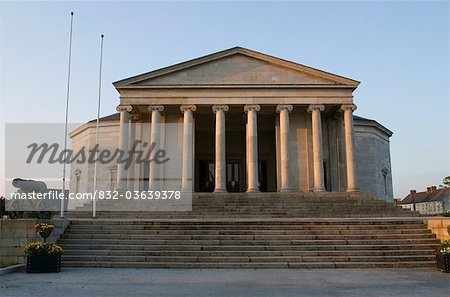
{"points": [[16, 233], [252, 122], [373, 165]]}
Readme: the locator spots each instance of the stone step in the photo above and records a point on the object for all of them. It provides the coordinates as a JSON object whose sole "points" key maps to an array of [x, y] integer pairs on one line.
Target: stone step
{"points": [[245, 222], [241, 228], [296, 206], [250, 265], [240, 253], [345, 247], [84, 236], [270, 210], [250, 242], [256, 259], [350, 214], [271, 231]]}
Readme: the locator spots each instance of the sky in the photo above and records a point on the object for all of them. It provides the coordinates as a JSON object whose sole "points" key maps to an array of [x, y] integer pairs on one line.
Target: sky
{"points": [[398, 50]]}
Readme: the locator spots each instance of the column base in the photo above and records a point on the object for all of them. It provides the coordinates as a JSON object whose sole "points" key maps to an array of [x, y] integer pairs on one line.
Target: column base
{"points": [[220, 191], [352, 190], [286, 191], [253, 191], [319, 190]]}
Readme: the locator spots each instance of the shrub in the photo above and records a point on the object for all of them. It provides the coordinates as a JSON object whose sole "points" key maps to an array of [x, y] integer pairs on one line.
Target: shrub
{"points": [[446, 214], [445, 247], [42, 248], [44, 227]]}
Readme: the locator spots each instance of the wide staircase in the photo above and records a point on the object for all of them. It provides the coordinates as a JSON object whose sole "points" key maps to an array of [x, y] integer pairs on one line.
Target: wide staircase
{"points": [[331, 230]]}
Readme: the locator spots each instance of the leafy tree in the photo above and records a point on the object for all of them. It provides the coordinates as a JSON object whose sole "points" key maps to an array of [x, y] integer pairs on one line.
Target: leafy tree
{"points": [[445, 182]]}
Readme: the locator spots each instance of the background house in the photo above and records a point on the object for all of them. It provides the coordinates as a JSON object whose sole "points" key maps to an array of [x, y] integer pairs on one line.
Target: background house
{"points": [[433, 201]]}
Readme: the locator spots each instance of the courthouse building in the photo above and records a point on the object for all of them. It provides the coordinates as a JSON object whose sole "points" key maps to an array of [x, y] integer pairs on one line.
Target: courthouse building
{"points": [[240, 121]]}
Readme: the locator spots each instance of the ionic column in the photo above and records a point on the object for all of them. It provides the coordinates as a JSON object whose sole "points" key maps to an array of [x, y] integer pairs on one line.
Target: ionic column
{"points": [[220, 158], [186, 178], [133, 135], [130, 169], [252, 147], [155, 136], [124, 111], [341, 150], [315, 110], [284, 110], [349, 146]]}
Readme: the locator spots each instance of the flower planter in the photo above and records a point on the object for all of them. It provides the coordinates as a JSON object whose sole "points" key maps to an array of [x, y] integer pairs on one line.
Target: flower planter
{"points": [[43, 263], [443, 262], [45, 234]]}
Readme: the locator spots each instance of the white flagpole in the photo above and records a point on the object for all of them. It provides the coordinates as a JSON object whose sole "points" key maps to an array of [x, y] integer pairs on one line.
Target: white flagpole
{"points": [[94, 209], [66, 117]]}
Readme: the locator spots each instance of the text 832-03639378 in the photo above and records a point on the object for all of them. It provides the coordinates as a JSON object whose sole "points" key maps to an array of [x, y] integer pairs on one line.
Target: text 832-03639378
{"points": [[144, 195]]}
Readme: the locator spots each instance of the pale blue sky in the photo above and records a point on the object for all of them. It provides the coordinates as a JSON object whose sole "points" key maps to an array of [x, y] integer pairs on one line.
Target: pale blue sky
{"points": [[398, 50]]}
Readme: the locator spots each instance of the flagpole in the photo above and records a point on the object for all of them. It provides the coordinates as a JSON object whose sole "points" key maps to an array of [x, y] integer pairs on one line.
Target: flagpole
{"points": [[94, 204], [66, 116]]}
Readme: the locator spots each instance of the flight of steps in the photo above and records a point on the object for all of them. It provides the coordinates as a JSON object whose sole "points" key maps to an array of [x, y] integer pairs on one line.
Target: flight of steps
{"points": [[261, 205], [266, 230], [249, 243]]}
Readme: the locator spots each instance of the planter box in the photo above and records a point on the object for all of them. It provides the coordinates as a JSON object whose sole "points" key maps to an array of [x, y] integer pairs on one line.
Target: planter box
{"points": [[443, 262], [44, 263]]}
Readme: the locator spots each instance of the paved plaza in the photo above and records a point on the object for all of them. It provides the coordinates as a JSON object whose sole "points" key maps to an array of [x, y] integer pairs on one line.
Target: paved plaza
{"points": [[231, 282]]}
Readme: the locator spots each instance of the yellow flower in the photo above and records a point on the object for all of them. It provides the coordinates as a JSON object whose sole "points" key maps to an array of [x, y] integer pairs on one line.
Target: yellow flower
{"points": [[42, 248]]}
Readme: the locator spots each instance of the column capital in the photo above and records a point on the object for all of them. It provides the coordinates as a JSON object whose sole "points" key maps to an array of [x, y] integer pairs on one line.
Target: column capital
{"points": [[319, 107], [351, 107], [281, 107], [217, 107], [250, 107], [127, 108], [185, 107], [152, 108]]}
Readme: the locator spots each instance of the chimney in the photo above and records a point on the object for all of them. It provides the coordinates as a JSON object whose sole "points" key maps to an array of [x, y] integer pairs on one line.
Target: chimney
{"points": [[412, 192], [429, 190], [433, 188]]}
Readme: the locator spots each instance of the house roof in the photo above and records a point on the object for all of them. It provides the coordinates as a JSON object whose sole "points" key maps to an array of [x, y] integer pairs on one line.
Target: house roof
{"points": [[419, 197], [111, 117], [440, 194], [415, 198], [251, 55], [370, 122]]}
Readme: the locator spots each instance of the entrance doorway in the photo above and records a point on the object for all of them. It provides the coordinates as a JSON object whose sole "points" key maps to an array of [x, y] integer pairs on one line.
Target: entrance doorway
{"points": [[206, 176], [235, 126], [234, 182]]}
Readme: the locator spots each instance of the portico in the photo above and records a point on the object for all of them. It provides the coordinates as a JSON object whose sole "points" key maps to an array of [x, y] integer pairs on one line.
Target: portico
{"points": [[221, 175], [248, 122]]}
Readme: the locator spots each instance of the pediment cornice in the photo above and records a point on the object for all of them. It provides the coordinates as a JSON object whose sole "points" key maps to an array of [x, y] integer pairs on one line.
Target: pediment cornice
{"points": [[236, 67]]}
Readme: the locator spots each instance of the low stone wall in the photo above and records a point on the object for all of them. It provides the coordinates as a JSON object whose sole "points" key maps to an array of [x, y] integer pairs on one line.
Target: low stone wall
{"points": [[439, 226], [16, 233]]}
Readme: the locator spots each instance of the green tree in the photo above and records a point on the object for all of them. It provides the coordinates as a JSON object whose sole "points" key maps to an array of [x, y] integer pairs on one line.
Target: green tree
{"points": [[445, 182]]}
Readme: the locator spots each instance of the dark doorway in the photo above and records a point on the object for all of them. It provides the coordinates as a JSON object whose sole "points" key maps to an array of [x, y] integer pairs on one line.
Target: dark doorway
{"points": [[235, 126], [262, 176], [206, 176], [266, 151], [234, 176]]}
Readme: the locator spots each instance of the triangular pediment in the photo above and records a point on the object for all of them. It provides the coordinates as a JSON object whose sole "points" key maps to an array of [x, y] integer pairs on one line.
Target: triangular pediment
{"points": [[237, 67]]}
